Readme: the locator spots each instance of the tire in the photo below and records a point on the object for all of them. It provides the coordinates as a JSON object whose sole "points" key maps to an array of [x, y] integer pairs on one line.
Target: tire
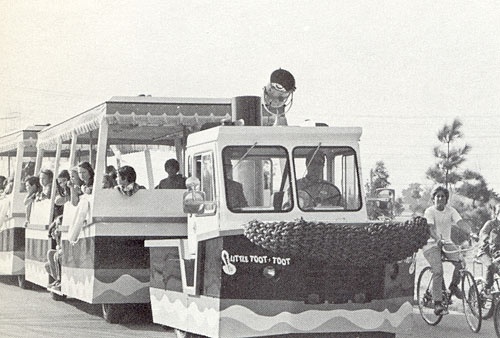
{"points": [[21, 282], [112, 313], [184, 334], [496, 319], [424, 297], [487, 306], [57, 297], [471, 302]]}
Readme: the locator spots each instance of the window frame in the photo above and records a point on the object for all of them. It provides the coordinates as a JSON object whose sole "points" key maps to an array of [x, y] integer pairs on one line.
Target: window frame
{"points": [[286, 168], [331, 171]]}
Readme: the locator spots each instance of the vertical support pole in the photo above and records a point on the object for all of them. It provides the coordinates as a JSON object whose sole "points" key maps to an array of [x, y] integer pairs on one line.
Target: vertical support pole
{"points": [[38, 161], [72, 150], [54, 180], [149, 168], [16, 188], [102, 142], [179, 153]]}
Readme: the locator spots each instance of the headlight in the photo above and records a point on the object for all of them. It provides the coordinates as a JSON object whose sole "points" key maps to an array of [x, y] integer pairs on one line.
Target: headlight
{"points": [[269, 272]]}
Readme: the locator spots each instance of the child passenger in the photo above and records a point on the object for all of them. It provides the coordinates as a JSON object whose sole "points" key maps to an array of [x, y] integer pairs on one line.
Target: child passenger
{"points": [[33, 188], [108, 182], [63, 192], [86, 175], [126, 181], [46, 176]]}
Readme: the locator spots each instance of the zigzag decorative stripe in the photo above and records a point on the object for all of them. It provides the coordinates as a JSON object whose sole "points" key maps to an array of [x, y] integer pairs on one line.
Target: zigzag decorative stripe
{"points": [[82, 285], [309, 320], [11, 264], [35, 272]]}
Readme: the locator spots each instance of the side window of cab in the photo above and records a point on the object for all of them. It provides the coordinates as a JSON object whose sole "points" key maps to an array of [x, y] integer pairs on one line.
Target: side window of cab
{"points": [[204, 171]]}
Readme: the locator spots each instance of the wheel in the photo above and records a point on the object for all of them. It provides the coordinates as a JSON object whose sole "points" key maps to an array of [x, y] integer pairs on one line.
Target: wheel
{"points": [[57, 297], [184, 334], [496, 319], [487, 307], [21, 282], [112, 313], [471, 301], [424, 297]]}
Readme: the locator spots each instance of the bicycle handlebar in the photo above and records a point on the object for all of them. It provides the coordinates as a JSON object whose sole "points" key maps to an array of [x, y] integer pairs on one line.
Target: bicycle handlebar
{"points": [[459, 250]]}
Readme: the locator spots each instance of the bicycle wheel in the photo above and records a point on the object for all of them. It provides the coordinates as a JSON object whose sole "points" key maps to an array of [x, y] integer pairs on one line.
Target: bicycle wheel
{"points": [[496, 319], [471, 301], [487, 306], [424, 297]]}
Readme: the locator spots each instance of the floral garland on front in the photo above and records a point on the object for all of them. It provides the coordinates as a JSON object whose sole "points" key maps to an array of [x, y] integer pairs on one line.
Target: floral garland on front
{"points": [[358, 244]]}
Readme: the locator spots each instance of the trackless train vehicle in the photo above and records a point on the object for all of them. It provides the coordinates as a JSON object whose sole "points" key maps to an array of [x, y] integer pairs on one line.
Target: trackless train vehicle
{"points": [[270, 236]]}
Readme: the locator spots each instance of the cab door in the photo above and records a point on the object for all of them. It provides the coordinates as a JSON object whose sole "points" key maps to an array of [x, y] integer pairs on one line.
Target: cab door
{"points": [[202, 166]]}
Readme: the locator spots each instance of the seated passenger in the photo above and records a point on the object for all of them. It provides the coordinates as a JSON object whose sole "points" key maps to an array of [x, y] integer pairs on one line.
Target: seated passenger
{"points": [[126, 181], [108, 182], [86, 175], [7, 189], [46, 176], [315, 190], [63, 193], [174, 180], [33, 188], [234, 190], [111, 171]]}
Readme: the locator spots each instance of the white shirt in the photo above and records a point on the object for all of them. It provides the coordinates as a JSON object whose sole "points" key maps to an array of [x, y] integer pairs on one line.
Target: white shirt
{"points": [[443, 220]]}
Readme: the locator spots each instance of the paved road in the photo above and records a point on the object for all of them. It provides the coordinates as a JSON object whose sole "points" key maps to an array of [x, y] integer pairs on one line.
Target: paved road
{"points": [[32, 313]]}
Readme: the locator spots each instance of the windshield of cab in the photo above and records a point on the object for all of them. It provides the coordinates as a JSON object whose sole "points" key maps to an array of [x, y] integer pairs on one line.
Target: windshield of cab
{"points": [[257, 178], [327, 178]]}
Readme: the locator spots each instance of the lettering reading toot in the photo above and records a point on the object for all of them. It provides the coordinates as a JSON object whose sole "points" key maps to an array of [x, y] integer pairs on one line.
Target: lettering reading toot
{"points": [[259, 259]]}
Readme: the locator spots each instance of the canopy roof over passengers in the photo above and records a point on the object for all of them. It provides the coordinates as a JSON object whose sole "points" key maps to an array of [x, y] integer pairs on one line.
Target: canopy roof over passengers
{"points": [[27, 136], [136, 120]]}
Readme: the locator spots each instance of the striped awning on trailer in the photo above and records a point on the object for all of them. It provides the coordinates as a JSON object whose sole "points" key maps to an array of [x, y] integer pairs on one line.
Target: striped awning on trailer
{"points": [[27, 136], [140, 111]]}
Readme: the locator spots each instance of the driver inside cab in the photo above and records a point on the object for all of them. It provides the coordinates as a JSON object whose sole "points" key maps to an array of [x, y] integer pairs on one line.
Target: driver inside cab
{"points": [[313, 189]]}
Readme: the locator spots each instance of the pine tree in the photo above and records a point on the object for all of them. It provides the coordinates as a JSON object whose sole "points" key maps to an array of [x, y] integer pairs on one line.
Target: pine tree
{"points": [[449, 158]]}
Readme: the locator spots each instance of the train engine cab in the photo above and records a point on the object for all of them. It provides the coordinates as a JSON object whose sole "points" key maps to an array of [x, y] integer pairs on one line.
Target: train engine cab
{"points": [[279, 241]]}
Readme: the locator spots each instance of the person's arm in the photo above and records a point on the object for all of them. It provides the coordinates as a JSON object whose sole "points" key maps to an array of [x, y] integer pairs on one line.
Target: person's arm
{"points": [[484, 233], [74, 194]]}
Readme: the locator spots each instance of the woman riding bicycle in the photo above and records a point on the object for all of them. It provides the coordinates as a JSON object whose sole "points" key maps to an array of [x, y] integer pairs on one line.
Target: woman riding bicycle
{"points": [[441, 218], [489, 240]]}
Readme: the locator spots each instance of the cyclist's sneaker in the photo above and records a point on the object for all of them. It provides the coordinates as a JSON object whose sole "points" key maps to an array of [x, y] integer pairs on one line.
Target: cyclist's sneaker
{"points": [[440, 310], [455, 291], [487, 293]]}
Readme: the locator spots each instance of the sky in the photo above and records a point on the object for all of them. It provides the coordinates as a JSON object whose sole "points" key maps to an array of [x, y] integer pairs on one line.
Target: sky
{"points": [[398, 69]]}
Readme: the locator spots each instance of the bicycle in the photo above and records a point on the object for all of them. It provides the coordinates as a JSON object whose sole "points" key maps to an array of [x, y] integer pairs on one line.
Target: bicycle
{"points": [[470, 300], [487, 301]]}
